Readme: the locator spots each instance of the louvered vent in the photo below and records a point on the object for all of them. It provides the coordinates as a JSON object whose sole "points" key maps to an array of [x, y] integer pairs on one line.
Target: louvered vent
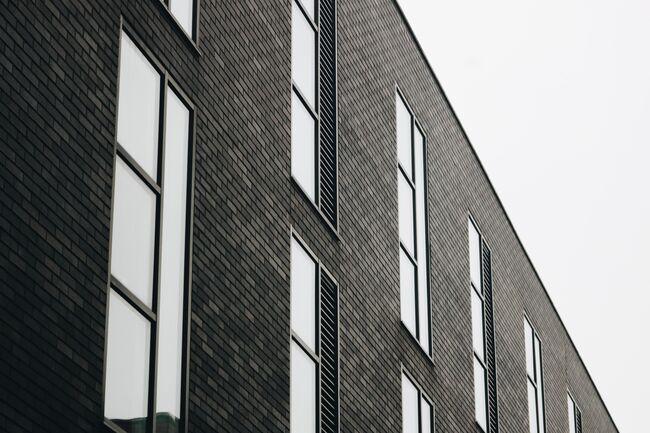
{"points": [[493, 421], [328, 157], [329, 355], [578, 421]]}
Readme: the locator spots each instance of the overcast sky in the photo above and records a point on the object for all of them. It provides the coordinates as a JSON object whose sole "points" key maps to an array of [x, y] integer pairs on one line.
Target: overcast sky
{"points": [[555, 97]]}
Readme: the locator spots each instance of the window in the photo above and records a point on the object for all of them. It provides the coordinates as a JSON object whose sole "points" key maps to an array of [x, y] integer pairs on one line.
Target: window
{"points": [[314, 348], [185, 14], [148, 284], [411, 186], [304, 114], [478, 326], [575, 416], [314, 149], [535, 379], [417, 410]]}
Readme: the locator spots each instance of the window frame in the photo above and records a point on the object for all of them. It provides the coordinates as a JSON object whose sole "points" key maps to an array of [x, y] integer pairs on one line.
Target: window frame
{"points": [[480, 292], [421, 395], [416, 261], [314, 112], [537, 382], [167, 82]]}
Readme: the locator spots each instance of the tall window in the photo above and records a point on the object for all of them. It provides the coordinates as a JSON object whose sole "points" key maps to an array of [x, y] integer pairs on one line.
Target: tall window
{"points": [[575, 416], [304, 102], [314, 152], [478, 326], [417, 410], [149, 233], [414, 270], [535, 379], [314, 345]]}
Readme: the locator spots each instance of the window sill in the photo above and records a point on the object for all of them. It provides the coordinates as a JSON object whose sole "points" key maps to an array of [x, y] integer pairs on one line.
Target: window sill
{"points": [[179, 28], [417, 343], [314, 206]]}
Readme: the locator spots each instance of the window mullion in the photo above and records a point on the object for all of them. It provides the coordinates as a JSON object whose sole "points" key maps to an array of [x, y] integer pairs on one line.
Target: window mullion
{"points": [[406, 177], [151, 183], [132, 299], [412, 259], [153, 370], [312, 21], [312, 111]]}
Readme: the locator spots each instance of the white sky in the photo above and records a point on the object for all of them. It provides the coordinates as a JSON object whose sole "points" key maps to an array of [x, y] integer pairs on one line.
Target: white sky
{"points": [[555, 96]]}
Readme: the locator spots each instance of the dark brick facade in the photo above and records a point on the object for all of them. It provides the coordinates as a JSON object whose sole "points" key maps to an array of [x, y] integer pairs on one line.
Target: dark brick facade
{"points": [[59, 63]]}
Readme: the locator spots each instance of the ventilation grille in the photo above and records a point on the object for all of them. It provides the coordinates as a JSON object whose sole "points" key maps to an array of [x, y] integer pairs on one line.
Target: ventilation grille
{"points": [[327, 109], [493, 421], [329, 355], [578, 421]]}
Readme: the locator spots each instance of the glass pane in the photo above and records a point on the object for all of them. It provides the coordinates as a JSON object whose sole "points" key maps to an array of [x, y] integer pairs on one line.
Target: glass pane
{"points": [[303, 391], [426, 416], [475, 256], [138, 109], [127, 365], [303, 55], [420, 190], [403, 125], [309, 6], [532, 407], [538, 361], [406, 209], [480, 398], [478, 336], [409, 406], [572, 415], [303, 295], [530, 362], [540, 384], [183, 11], [421, 240], [303, 147], [407, 291], [133, 233], [423, 311], [172, 266]]}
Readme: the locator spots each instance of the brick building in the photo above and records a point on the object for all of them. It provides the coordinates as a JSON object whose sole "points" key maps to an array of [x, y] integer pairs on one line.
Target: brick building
{"points": [[256, 216]]}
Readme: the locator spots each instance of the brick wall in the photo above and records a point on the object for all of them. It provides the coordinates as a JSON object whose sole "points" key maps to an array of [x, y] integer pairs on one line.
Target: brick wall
{"points": [[57, 131]]}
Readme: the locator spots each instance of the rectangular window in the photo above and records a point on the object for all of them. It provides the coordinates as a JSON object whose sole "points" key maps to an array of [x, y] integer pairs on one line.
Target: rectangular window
{"points": [[535, 379], [417, 410], [478, 326], [148, 284], [304, 105], [314, 355], [411, 191], [575, 416], [314, 152]]}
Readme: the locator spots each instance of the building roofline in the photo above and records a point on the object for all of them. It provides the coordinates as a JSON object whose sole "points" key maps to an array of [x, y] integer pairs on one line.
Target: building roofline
{"points": [[512, 227]]}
